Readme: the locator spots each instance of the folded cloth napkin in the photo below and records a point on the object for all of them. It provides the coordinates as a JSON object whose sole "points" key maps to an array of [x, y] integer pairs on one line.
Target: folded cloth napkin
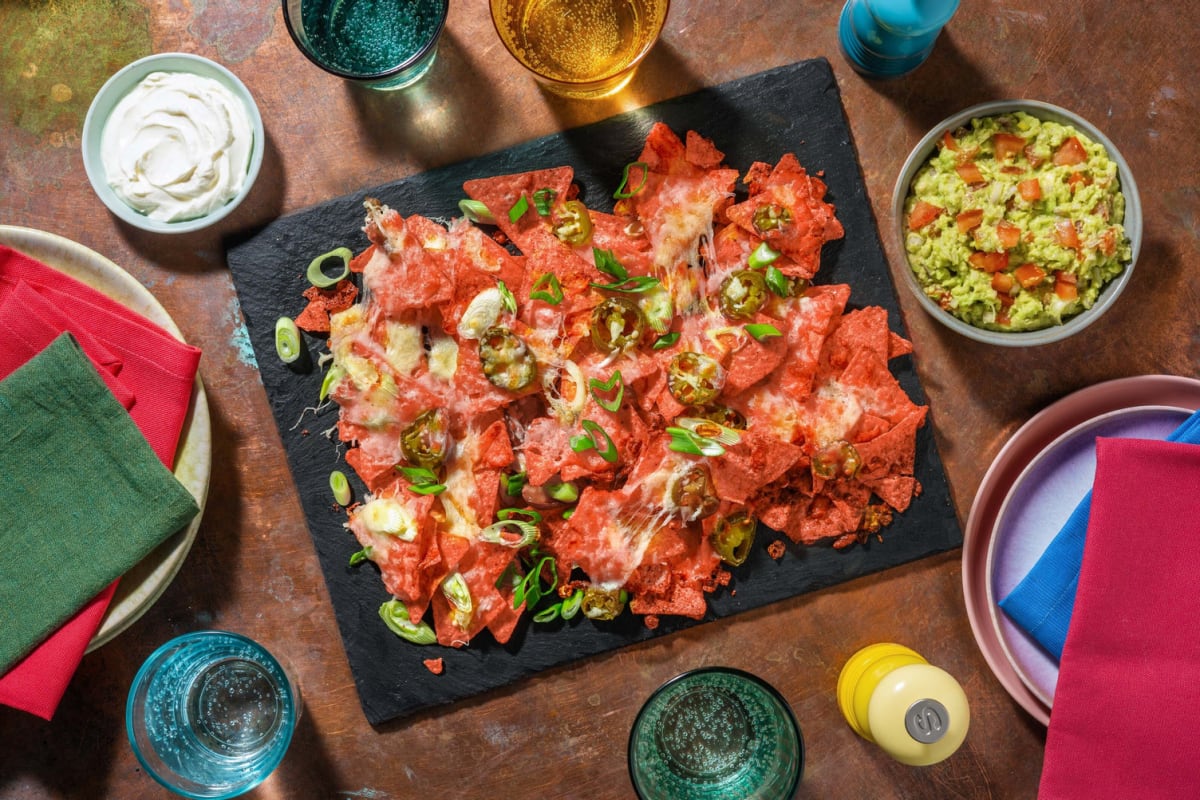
{"points": [[136, 358], [83, 499], [1041, 603], [1129, 681]]}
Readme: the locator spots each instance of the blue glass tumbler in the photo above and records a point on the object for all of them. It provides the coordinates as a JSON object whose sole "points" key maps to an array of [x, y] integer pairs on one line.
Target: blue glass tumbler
{"points": [[890, 38]]}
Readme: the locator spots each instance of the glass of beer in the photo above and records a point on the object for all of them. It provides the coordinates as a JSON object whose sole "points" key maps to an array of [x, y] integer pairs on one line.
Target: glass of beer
{"points": [[380, 44], [580, 48]]}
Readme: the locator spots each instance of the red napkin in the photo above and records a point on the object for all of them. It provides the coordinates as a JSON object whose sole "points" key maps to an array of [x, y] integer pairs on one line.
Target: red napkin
{"points": [[149, 371], [1128, 693]]}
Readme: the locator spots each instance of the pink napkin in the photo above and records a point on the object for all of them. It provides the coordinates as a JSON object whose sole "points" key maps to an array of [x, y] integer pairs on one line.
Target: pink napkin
{"points": [[1128, 693], [148, 370]]}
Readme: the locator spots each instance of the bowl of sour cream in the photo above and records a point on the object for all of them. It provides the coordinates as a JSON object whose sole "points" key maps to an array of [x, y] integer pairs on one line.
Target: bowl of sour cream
{"points": [[172, 143]]}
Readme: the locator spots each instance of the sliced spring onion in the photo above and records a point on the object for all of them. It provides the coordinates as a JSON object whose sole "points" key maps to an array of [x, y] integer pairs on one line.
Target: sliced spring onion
{"points": [[631, 285], [570, 512], [462, 607], [547, 288], [476, 211], [395, 615], [684, 441], [565, 492], [518, 209], [508, 513], [777, 282], [762, 331], [570, 606], [513, 484], [317, 275], [335, 374], [506, 297], [427, 488], [592, 439], [549, 613], [287, 340], [762, 256], [510, 532], [340, 487], [530, 590], [418, 474], [608, 394], [607, 263], [360, 556], [625, 190], [710, 430], [663, 342], [542, 198]]}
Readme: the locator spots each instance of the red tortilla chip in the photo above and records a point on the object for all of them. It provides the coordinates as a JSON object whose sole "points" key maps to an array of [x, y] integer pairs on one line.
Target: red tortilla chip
{"points": [[323, 302], [434, 665]]}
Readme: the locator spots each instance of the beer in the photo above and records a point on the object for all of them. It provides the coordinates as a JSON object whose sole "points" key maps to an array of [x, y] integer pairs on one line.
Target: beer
{"points": [[580, 47]]}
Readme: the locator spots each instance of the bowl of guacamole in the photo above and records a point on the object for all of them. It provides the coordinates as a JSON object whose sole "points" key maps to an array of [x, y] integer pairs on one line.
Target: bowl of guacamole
{"points": [[1020, 222]]}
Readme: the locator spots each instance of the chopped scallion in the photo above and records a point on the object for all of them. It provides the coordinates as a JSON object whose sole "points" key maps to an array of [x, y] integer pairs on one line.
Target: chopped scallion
{"points": [[330, 380], [607, 263], [508, 513], [762, 331], [625, 190], [513, 484], [510, 532], [684, 441], [762, 256], [317, 275], [565, 492], [595, 438], [506, 297], [340, 487], [570, 606], [548, 614], [542, 198], [395, 615], [608, 394], [518, 209], [663, 342], [777, 282], [359, 556], [476, 211], [547, 288], [630, 285], [708, 429], [287, 340]]}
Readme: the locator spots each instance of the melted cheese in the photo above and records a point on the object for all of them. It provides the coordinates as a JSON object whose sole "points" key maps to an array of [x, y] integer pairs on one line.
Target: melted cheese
{"points": [[404, 348], [385, 516]]}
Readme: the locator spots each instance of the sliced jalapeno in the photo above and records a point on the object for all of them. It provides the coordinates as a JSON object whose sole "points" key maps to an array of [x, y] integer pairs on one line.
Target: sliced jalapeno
{"points": [[426, 441], [722, 415], [602, 604], [695, 379], [733, 537], [572, 224], [840, 458], [505, 359], [743, 294], [617, 325], [694, 495], [772, 217]]}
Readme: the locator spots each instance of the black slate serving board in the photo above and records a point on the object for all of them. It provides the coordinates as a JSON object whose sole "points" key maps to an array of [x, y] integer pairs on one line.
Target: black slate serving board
{"points": [[796, 109]]}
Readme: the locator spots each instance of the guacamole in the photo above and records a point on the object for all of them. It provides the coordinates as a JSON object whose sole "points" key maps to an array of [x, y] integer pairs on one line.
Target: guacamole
{"points": [[1015, 223]]}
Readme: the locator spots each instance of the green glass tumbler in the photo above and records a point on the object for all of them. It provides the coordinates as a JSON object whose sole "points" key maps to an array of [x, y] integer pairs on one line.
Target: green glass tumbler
{"points": [[719, 734]]}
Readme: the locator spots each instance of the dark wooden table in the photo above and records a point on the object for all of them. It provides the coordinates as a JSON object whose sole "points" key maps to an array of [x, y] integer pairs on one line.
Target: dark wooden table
{"points": [[1129, 67]]}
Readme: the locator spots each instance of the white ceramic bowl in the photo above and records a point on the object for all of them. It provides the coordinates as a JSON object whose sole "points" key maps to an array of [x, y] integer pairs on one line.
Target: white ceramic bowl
{"points": [[121, 84], [1132, 223]]}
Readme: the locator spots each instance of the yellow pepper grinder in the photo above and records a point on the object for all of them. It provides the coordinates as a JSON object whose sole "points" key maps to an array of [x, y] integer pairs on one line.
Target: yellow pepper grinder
{"points": [[893, 697]]}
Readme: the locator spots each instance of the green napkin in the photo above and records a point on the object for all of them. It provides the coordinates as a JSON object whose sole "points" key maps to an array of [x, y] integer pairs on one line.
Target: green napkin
{"points": [[82, 496]]}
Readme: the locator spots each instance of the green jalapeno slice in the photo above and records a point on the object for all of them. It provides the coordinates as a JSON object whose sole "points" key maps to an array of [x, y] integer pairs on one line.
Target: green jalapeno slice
{"points": [[426, 442], [772, 217], [505, 359], [694, 495], [617, 325], [694, 378], [733, 537], [743, 294], [602, 604]]}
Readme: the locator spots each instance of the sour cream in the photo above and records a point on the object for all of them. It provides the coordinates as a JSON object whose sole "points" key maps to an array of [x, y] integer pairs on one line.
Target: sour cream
{"points": [[177, 146]]}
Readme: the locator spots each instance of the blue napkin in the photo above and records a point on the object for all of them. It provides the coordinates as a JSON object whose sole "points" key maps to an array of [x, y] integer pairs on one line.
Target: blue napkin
{"points": [[1042, 602]]}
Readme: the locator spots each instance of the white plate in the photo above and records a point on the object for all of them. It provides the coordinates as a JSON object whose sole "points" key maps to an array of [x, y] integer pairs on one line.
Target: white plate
{"points": [[145, 583]]}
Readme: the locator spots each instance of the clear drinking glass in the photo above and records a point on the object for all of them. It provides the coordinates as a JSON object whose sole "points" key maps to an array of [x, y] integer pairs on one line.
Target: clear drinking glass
{"points": [[715, 734], [380, 44], [211, 714], [580, 48]]}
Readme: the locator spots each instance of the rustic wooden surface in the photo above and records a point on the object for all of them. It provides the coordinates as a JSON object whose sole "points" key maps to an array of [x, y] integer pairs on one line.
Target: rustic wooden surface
{"points": [[1125, 66]]}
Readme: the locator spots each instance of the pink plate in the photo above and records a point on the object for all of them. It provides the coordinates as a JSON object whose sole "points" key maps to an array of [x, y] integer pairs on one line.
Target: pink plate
{"points": [[1017, 663]]}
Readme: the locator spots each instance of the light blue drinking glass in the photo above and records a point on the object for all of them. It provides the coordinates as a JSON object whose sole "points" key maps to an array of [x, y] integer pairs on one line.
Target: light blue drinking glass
{"points": [[210, 714], [889, 38], [715, 734]]}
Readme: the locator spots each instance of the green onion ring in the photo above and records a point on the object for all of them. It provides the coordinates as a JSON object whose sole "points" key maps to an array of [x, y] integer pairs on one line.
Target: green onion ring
{"points": [[547, 288], [570, 606], [623, 191], [615, 384], [395, 615], [518, 209], [287, 340], [663, 342], [763, 256], [316, 272], [476, 211], [340, 487], [548, 614], [762, 331], [499, 533]]}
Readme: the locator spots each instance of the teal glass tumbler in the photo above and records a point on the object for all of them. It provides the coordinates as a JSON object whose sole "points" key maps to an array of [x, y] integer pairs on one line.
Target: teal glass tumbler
{"points": [[715, 733], [890, 38], [380, 44], [210, 714]]}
